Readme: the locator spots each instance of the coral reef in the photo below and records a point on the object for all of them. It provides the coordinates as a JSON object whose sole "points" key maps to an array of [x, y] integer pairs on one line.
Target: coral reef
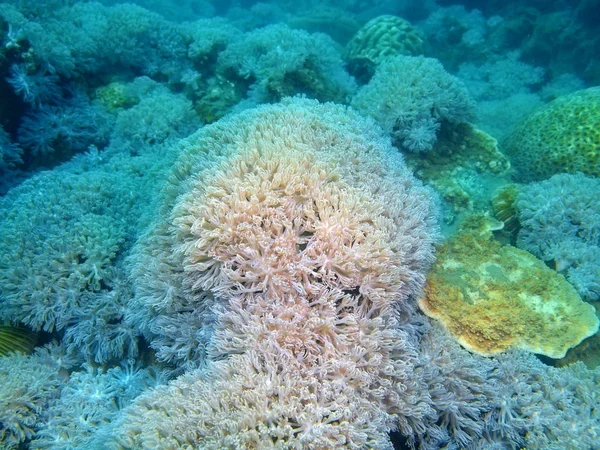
{"points": [[464, 167], [463, 390], [150, 114], [293, 240], [562, 136], [494, 297], [505, 90], [64, 236], [549, 407], [380, 38], [455, 33], [88, 401], [29, 383], [299, 63], [56, 131], [255, 284], [410, 97], [560, 223], [78, 234]]}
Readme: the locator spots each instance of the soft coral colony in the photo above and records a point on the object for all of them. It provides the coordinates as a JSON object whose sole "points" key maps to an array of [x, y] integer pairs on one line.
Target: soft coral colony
{"points": [[297, 234], [282, 271], [265, 296]]}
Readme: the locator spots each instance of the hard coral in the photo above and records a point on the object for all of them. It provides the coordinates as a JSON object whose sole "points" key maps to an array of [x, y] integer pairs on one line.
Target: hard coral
{"points": [[292, 239], [382, 37], [494, 297], [563, 136]]}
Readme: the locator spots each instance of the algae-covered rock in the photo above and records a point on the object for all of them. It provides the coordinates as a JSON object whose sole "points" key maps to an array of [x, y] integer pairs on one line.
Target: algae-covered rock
{"points": [[465, 167], [493, 297]]}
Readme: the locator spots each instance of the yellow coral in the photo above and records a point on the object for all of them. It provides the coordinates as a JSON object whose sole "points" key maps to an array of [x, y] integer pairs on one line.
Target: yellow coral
{"points": [[563, 136], [493, 297], [115, 96]]}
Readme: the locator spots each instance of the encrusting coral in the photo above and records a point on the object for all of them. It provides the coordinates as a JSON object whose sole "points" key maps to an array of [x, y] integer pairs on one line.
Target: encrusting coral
{"points": [[292, 238], [463, 167], [493, 297]]}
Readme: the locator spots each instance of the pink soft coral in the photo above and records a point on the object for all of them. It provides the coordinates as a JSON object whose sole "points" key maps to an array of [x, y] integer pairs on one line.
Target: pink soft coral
{"points": [[294, 237]]}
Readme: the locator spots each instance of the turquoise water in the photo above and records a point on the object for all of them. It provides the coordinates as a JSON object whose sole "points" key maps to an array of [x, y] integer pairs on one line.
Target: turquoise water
{"points": [[299, 225]]}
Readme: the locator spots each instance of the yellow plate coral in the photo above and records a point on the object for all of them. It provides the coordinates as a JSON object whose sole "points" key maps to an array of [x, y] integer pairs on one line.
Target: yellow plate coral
{"points": [[493, 297]]}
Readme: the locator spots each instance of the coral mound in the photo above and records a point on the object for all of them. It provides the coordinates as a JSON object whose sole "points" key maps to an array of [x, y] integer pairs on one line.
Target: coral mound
{"points": [[411, 97], [494, 297], [291, 240], [380, 38], [562, 136], [560, 220]]}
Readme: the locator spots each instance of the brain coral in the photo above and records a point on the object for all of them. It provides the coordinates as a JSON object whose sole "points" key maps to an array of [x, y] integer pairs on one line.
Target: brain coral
{"points": [[291, 239], [562, 136], [380, 38]]}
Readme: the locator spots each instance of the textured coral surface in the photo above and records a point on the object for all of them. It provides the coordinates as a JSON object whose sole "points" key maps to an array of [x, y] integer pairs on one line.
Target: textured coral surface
{"points": [[563, 136], [293, 241], [380, 38], [494, 297]]}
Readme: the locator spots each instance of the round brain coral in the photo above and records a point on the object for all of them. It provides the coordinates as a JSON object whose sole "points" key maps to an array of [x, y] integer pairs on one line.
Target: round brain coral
{"points": [[382, 37], [291, 239], [562, 136]]}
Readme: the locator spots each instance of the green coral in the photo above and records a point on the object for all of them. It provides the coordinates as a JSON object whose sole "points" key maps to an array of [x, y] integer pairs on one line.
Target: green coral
{"points": [[494, 297], [464, 167], [116, 96], [563, 136]]}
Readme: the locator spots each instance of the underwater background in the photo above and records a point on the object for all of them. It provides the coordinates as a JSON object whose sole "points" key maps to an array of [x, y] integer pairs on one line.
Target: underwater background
{"points": [[362, 224]]}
